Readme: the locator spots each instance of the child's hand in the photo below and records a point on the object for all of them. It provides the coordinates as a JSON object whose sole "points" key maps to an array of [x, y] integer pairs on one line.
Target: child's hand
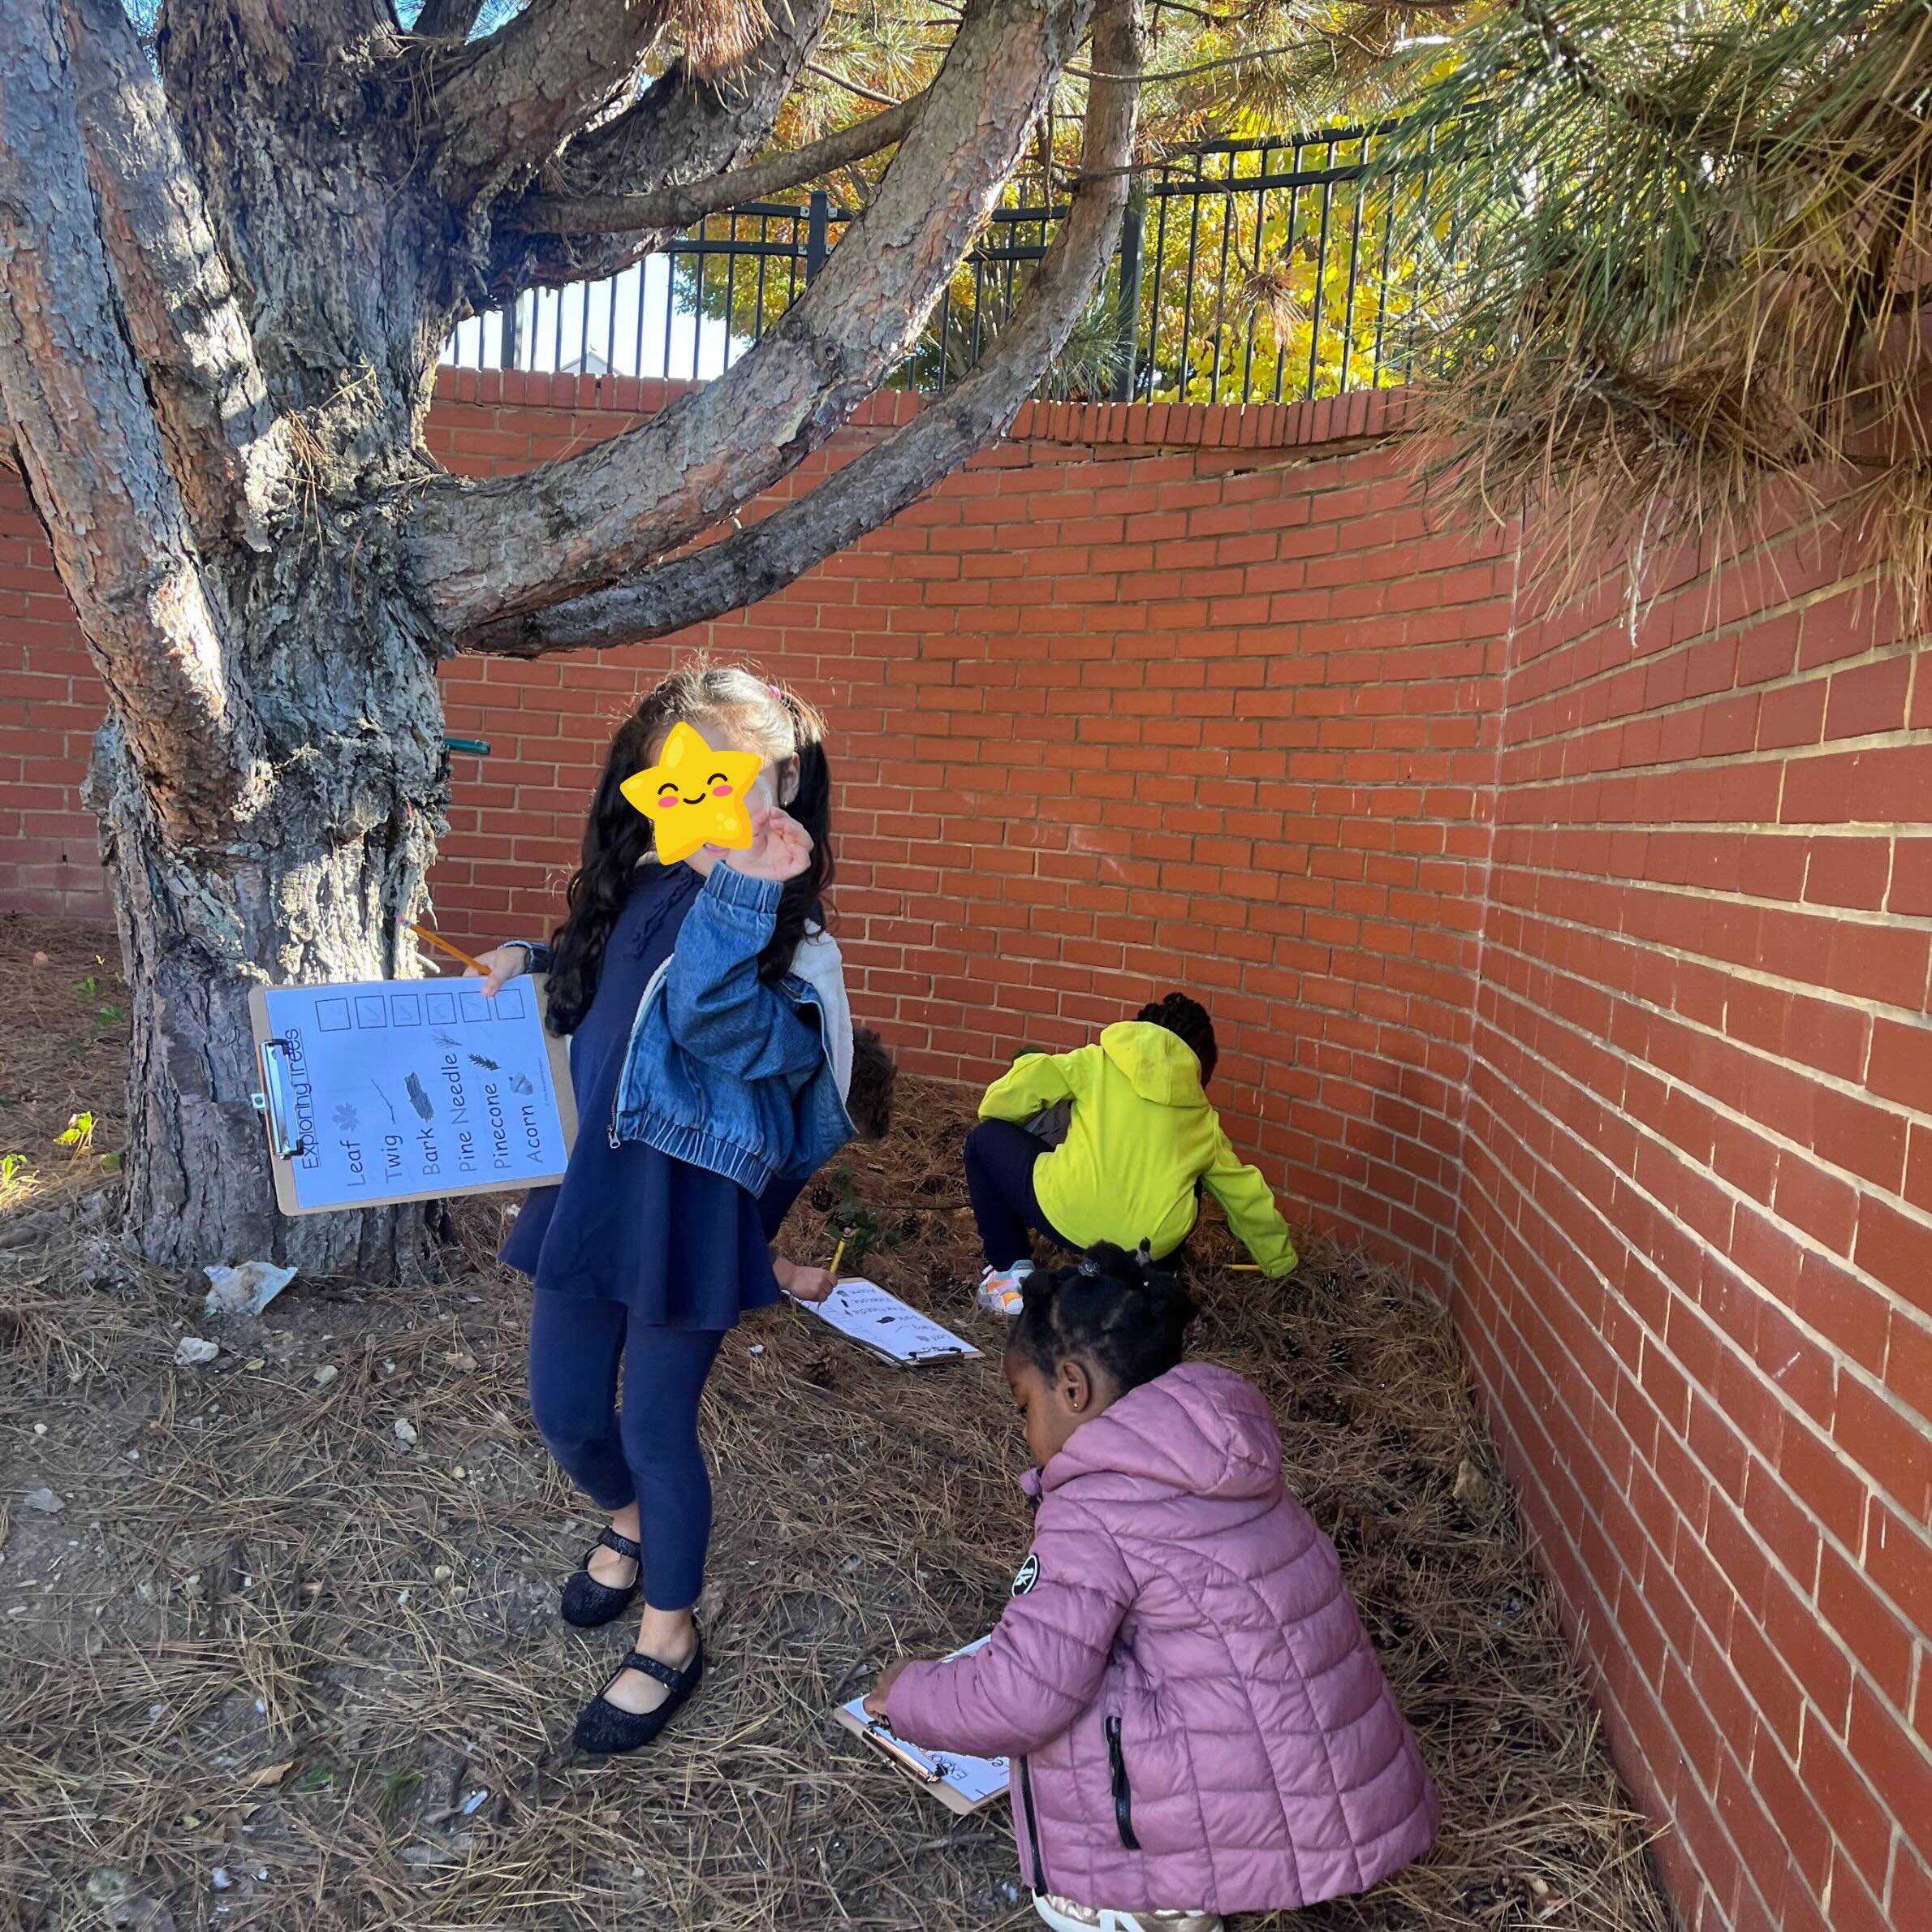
{"points": [[781, 847], [875, 1698], [504, 964], [803, 1284], [812, 1284]]}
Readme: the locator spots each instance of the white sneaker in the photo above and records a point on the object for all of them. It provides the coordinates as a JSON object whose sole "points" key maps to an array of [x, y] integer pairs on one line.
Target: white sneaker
{"points": [[1000, 1289], [1064, 1916]]}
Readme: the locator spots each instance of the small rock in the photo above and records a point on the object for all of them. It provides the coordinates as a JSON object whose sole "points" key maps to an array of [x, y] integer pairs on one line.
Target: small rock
{"points": [[39, 959], [1472, 1487], [326, 1374], [757, 1348], [220, 1878], [43, 1501], [442, 1572], [459, 1474], [405, 1433], [191, 1351], [39, 1428], [261, 1875]]}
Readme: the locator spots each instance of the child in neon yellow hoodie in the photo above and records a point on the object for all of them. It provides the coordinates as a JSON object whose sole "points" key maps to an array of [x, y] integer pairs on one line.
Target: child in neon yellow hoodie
{"points": [[1141, 1142]]}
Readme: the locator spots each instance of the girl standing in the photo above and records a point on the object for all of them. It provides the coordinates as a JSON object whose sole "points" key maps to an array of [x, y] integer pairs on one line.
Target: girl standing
{"points": [[711, 1048]]}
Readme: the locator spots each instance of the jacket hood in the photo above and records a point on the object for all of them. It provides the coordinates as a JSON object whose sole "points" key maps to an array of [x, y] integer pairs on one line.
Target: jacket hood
{"points": [[1160, 1066], [1199, 1429]]}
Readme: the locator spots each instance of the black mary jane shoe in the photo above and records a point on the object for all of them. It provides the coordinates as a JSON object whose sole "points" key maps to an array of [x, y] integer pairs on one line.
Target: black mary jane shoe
{"points": [[586, 1601], [604, 1729]]}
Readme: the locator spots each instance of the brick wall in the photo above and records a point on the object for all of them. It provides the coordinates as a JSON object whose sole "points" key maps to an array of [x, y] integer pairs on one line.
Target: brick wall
{"points": [[1207, 706], [1155, 697], [1696, 1268], [50, 702]]}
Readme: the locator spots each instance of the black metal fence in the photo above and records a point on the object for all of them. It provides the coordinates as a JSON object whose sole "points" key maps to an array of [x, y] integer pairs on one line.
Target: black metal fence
{"points": [[1270, 269]]}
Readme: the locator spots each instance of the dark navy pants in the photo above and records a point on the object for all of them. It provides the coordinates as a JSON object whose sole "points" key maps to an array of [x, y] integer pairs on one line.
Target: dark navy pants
{"points": [[1000, 1180], [646, 1453]]}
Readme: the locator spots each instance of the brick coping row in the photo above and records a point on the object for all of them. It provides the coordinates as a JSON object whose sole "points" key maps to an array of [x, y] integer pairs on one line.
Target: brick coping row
{"points": [[1329, 420]]}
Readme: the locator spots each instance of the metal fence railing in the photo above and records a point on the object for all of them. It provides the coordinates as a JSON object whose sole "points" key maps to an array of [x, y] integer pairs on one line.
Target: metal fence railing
{"points": [[1270, 269]]}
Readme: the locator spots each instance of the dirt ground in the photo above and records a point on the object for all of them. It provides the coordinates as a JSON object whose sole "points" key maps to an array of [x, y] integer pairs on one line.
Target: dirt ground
{"points": [[279, 1643]]}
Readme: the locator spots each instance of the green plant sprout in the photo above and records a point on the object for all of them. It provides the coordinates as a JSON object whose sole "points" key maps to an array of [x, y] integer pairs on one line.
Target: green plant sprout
{"points": [[79, 1133]]}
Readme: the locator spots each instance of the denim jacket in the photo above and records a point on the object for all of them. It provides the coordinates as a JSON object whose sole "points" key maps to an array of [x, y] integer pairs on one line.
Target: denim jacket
{"points": [[742, 1079]]}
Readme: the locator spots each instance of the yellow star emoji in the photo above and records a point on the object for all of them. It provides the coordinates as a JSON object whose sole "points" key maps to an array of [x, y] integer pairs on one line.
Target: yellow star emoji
{"points": [[695, 796]]}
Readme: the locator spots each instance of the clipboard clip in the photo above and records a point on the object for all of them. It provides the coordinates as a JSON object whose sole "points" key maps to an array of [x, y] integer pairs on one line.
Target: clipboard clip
{"points": [[903, 1755], [272, 1102]]}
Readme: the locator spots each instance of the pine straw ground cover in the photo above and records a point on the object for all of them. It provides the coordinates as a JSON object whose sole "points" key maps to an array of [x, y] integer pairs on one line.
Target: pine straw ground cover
{"points": [[266, 1637]]}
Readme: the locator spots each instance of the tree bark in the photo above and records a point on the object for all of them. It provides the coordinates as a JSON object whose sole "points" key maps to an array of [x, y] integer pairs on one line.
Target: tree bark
{"points": [[666, 210], [340, 857], [509, 103], [682, 128]]}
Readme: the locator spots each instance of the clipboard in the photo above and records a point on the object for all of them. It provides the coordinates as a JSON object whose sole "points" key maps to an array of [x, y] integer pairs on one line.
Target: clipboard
{"points": [[963, 1784], [893, 1331], [375, 1093]]}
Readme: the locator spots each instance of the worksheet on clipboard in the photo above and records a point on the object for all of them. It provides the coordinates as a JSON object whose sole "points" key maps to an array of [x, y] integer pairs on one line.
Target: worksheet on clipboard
{"points": [[976, 1781], [864, 1312]]}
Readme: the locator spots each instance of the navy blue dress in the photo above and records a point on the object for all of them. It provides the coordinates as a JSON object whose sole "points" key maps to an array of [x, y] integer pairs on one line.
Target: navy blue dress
{"points": [[679, 1246]]}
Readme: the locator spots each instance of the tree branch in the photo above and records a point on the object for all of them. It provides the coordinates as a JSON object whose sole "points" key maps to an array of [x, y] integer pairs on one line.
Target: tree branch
{"points": [[876, 485], [447, 19], [851, 87], [183, 323], [507, 104], [520, 543], [91, 452], [671, 209], [682, 129]]}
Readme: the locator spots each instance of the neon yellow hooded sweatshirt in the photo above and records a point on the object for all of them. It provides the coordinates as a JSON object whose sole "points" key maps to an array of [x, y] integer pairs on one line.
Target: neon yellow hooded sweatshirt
{"points": [[1142, 1134]]}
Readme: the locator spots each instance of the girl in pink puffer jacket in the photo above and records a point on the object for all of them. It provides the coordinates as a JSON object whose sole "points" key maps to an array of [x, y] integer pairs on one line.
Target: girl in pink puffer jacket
{"points": [[1197, 1720]]}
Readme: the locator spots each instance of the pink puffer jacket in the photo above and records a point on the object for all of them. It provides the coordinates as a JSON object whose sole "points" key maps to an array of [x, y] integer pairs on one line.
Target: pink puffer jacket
{"points": [[1196, 1719]]}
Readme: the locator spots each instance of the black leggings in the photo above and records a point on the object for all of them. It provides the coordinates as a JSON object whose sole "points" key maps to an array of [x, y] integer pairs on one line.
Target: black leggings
{"points": [[999, 1177]]}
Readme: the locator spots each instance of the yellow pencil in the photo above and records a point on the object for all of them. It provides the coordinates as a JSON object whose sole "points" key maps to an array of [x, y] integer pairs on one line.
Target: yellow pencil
{"points": [[837, 1256], [442, 944]]}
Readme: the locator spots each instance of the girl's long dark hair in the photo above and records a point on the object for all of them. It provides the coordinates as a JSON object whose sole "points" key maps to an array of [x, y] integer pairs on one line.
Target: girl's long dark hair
{"points": [[617, 836]]}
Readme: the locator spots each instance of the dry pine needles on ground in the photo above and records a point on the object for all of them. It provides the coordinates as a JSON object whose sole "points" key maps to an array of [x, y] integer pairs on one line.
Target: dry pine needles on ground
{"points": [[268, 1659]]}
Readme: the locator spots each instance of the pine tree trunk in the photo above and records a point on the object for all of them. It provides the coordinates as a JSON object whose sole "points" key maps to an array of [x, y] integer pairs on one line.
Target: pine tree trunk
{"points": [[336, 856]]}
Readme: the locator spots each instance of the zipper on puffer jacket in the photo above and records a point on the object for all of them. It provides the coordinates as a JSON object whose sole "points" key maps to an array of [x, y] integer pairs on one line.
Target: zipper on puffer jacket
{"points": [[1124, 1797], [1032, 1825]]}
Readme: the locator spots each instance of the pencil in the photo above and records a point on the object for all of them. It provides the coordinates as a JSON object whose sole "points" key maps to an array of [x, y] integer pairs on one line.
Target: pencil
{"points": [[837, 1256], [442, 944]]}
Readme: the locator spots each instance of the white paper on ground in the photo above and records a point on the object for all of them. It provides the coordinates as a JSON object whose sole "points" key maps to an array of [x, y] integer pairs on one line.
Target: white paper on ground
{"points": [[865, 1312]]}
